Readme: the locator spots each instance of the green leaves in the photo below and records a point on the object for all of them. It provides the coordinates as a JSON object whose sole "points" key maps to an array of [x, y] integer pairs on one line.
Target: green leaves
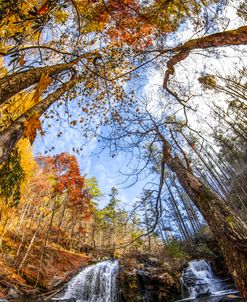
{"points": [[11, 176]]}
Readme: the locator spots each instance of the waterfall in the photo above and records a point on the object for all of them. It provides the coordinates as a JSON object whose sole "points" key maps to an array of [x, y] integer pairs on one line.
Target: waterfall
{"points": [[96, 283], [199, 280]]}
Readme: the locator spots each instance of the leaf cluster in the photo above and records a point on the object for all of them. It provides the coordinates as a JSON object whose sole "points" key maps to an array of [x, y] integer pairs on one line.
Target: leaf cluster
{"points": [[11, 176]]}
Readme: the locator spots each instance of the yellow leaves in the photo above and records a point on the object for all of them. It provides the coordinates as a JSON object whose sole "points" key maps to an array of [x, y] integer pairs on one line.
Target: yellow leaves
{"points": [[14, 107], [61, 16], [18, 22], [28, 163], [3, 69], [22, 102], [27, 159], [8, 27], [208, 81], [31, 126], [94, 15]]}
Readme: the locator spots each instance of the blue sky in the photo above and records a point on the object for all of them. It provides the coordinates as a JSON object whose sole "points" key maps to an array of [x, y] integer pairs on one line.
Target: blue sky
{"points": [[103, 166], [93, 162]]}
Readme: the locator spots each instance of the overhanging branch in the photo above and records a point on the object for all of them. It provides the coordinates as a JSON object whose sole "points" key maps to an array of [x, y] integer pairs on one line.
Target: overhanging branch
{"points": [[227, 38]]}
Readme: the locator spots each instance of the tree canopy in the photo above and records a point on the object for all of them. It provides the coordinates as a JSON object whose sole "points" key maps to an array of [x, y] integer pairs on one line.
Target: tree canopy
{"points": [[85, 51]]}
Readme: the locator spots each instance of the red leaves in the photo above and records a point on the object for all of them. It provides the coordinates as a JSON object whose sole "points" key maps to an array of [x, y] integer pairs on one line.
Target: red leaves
{"points": [[129, 26], [65, 174]]}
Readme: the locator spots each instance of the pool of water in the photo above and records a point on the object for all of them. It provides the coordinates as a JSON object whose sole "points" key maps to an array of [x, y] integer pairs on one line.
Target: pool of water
{"points": [[232, 297]]}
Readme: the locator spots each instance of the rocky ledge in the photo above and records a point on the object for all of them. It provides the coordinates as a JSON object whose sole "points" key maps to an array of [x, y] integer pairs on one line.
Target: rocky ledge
{"points": [[146, 279]]}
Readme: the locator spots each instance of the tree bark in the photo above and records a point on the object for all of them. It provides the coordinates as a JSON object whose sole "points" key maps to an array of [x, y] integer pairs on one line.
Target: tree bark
{"points": [[227, 227], [10, 137], [16, 82], [231, 37]]}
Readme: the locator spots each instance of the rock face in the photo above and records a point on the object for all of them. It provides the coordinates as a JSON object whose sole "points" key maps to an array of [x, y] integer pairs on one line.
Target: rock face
{"points": [[148, 282]]}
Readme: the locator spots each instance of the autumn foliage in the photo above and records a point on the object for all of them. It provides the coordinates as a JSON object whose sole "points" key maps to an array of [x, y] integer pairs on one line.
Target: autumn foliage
{"points": [[47, 209], [64, 174]]}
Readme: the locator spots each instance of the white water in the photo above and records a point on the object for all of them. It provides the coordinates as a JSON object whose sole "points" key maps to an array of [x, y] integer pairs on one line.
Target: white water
{"points": [[199, 280], [96, 283]]}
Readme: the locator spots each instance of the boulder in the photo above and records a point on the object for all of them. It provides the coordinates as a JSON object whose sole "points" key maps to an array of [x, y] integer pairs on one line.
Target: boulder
{"points": [[148, 284], [12, 293]]}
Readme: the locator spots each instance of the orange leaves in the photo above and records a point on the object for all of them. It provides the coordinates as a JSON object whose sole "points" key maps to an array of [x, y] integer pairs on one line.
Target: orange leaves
{"points": [[113, 33], [31, 126], [167, 28], [65, 173], [129, 24], [131, 34], [44, 82], [123, 6], [42, 10], [22, 60]]}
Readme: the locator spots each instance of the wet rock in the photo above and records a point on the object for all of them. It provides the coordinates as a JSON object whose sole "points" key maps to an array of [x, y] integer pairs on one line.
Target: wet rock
{"points": [[66, 300], [166, 278], [202, 295], [56, 281], [149, 285], [12, 293], [148, 261]]}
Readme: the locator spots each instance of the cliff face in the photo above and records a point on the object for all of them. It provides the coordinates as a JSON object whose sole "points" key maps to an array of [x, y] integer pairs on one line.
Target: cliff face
{"points": [[148, 280]]}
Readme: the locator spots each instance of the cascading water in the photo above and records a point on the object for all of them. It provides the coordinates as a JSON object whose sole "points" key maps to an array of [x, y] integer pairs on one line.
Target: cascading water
{"points": [[198, 280], [96, 283]]}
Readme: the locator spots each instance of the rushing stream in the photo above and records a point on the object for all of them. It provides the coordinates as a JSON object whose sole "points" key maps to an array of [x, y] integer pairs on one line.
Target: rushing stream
{"points": [[199, 283], [96, 283]]}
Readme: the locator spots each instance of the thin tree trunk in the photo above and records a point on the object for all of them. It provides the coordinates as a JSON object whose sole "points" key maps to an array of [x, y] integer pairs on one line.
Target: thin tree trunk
{"points": [[187, 210], [45, 243], [61, 220], [183, 226], [227, 227]]}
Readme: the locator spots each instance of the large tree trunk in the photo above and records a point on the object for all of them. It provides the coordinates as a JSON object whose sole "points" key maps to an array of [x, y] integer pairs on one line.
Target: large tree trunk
{"points": [[227, 227], [16, 82], [10, 137]]}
